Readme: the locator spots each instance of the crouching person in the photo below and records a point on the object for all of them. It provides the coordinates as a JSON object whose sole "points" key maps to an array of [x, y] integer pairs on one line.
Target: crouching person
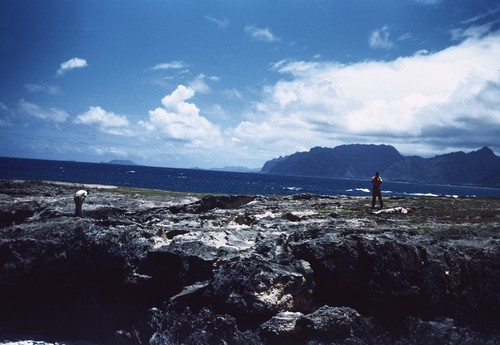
{"points": [[79, 199]]}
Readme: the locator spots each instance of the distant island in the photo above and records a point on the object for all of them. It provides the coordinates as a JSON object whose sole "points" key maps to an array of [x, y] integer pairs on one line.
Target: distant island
{"points": [[120, 162], [360, 161]]}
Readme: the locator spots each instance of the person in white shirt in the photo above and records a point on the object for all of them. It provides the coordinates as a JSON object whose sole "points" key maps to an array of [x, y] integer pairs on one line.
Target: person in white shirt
{"points": [[79, 199]]}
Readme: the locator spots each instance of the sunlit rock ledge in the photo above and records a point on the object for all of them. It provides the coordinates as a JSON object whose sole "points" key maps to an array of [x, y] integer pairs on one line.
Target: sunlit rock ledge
{"points": [[146, 266]]}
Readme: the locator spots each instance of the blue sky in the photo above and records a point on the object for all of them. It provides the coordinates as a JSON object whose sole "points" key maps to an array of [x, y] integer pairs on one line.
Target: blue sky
{"points": [[236, 83]]}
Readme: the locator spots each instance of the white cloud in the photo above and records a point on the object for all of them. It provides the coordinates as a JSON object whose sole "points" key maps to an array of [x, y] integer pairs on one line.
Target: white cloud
{"points": [[381, 38], [471, 32], [405, 37], [437, 100], [199, 84], [221, 23], [107, 122], [261, 34], [180, 120], [428, 2], [216, 110], [43, 88], [233, 94], [488, 15], [70, 65], [48, 114], [5, 116], [113, 151], [170, 65]]}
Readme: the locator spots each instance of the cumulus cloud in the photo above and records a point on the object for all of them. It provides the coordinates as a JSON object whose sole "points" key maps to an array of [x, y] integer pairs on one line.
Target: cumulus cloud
{"points": [[261, 34], [48, 114], [380, 38], [107, 122], [180, 120], [423, 99], [70, 65]]}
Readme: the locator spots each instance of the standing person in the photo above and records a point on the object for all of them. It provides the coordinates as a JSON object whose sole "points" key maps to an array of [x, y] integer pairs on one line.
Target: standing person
{"points": [[377, 190]]}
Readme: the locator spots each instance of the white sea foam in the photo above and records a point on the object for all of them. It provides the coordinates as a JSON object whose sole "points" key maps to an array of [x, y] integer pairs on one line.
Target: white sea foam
{"points": [[364, 190], [423, 194], [293, 188]]}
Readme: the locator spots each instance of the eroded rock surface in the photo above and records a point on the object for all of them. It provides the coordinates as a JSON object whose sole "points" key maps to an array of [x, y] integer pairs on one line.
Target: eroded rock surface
{"points": [[167, 268]]}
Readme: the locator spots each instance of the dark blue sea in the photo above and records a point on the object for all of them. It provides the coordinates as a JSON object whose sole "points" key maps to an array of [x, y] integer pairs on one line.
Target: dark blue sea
{"points": [[209, 181]]}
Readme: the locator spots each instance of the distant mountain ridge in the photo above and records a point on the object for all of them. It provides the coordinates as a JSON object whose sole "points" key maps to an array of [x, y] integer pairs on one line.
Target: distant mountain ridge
{"points": [[360, 161]]}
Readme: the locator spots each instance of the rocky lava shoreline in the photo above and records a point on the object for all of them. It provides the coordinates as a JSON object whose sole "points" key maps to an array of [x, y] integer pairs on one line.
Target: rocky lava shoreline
{"points": [[146, 266]]}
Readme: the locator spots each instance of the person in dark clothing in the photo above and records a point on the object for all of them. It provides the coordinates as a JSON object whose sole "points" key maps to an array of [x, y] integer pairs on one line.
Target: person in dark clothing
{"points": [[377, 190]]}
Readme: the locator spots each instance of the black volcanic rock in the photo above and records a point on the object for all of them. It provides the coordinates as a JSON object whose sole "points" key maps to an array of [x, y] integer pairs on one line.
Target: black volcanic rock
{"points": [[256, 288], [174, 269]]}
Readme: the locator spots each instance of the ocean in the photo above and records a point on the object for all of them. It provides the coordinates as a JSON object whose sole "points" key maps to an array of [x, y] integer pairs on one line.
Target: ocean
{"points": [[220, 182]]}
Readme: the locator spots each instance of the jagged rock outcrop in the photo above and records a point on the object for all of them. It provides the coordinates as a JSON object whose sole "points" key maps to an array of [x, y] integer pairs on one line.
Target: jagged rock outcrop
{"points": [[177, 269]]}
